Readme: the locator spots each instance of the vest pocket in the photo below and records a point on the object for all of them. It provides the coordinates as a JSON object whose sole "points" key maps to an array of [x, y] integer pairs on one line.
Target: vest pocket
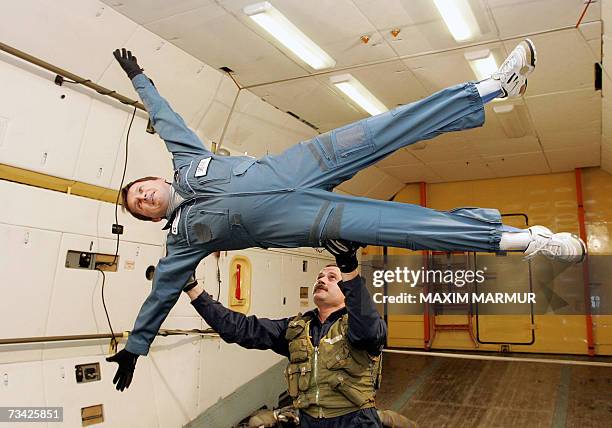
{"points": [[298, 350], [295, 328], [298, 378], [355, 396], [338, 358]]}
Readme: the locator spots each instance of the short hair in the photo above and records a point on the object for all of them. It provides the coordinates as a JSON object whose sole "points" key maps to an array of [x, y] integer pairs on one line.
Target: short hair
{"points": [[330, 265], [124, 194]]}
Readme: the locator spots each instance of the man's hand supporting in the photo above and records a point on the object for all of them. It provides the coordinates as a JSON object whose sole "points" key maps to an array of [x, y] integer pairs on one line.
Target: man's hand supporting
{"points": [[345, 253]]}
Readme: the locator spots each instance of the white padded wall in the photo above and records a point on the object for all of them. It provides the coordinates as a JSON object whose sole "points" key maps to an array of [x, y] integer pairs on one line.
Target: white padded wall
{"points": [[81, 136]]}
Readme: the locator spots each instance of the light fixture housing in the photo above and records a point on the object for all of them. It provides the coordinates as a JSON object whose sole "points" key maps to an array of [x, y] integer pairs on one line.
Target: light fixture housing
{"points": [[283, 30], [512, 120], [459, 18], [353, 89], [483, 63]]}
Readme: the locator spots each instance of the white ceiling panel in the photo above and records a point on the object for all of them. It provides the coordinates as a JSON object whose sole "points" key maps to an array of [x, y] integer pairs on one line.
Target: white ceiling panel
{"points": [[192, 83], [320, 22], [402, 157], [438, 71], [517, 17], [592, 33], [399, 86], [221, 40], [574, 157], [520, 164], [570, 111], [385, 188], [366, 181], [211, 124], [421, 26], [462, 170], [413, 173], [223, 94], [561, 110], [508, 146], [565, 140], [328, 112], [258, 128], [492, 129], [145, 11], [80, 36], [439, 151]]}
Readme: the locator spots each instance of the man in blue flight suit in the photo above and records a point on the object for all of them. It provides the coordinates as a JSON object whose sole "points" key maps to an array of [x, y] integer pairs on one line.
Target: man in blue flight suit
{"points": [[230, 203]]}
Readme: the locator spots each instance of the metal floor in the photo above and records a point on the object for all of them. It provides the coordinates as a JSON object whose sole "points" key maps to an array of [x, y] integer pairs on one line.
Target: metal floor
{"points": [[447, 392]]}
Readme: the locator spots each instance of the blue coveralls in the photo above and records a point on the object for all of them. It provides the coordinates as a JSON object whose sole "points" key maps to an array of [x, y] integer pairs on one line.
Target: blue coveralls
{"points": [[286, 201]]}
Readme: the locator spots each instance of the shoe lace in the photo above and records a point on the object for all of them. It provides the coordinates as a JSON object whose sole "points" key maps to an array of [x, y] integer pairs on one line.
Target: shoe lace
{"points": [[544, 249]]}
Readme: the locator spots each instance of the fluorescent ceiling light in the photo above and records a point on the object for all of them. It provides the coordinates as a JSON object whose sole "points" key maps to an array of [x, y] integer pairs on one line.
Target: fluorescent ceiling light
{"points": [[482, 62], [353, 89], [275, 23], [459, 18]]}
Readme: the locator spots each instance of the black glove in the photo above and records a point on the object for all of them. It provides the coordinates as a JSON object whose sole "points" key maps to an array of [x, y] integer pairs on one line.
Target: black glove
{"points": [[128, 63], [345, 253], [125, 372]]}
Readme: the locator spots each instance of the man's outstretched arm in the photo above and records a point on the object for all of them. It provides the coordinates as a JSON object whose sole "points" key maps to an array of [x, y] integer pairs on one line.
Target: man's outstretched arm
{"points": [[366, 329], [171, 275], [247, 331], [180, 140]]}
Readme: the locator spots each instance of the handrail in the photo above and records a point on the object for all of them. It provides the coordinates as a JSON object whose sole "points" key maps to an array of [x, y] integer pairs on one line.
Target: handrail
{"points": [[77, 79], [97, 336]]}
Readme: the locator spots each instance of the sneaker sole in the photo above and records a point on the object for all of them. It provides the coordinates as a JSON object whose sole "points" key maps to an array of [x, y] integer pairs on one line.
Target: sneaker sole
{"points": [[531, 58], [584, 248]]}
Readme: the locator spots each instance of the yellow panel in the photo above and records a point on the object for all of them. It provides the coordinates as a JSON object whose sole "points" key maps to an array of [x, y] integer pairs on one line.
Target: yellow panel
{"points": [[549, 200], [564, 334], [49, 182]]}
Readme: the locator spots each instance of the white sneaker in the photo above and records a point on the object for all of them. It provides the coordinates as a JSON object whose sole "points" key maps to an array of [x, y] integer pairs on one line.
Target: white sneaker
{"points": [[514, 71], [563, 246]]}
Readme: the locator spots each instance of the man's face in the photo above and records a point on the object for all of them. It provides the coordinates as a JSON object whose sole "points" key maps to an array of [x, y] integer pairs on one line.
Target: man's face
{"points": [[149, 198], [326, 291]]}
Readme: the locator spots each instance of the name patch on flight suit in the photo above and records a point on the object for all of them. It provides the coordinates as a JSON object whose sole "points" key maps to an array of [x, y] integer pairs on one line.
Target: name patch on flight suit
{"points": [[202, 169]]}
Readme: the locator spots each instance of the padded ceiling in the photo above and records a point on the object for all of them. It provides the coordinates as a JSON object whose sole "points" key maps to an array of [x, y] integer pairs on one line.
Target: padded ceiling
{"points": [[561, 111]]}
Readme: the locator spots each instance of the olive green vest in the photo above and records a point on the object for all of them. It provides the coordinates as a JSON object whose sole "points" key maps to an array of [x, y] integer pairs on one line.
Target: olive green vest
{"points": [[333, 379]]}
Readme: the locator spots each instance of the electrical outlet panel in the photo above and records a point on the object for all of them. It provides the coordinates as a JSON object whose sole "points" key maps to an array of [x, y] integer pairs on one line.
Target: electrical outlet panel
{"points": [[87, 372]]}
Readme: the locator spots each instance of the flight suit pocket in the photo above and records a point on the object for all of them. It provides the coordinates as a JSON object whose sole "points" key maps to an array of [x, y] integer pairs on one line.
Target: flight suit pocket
{"points": [[242, 167], [240, 234], [205, 225], [351, 142], [488, 215], [209, 170]]}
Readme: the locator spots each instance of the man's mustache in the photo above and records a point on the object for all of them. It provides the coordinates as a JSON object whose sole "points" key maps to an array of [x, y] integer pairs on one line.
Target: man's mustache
{"points": [[319, 286]]}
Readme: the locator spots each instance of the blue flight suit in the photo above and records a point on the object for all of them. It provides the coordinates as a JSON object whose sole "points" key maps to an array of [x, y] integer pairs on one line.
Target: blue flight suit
{"points": [[285, 201]]}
